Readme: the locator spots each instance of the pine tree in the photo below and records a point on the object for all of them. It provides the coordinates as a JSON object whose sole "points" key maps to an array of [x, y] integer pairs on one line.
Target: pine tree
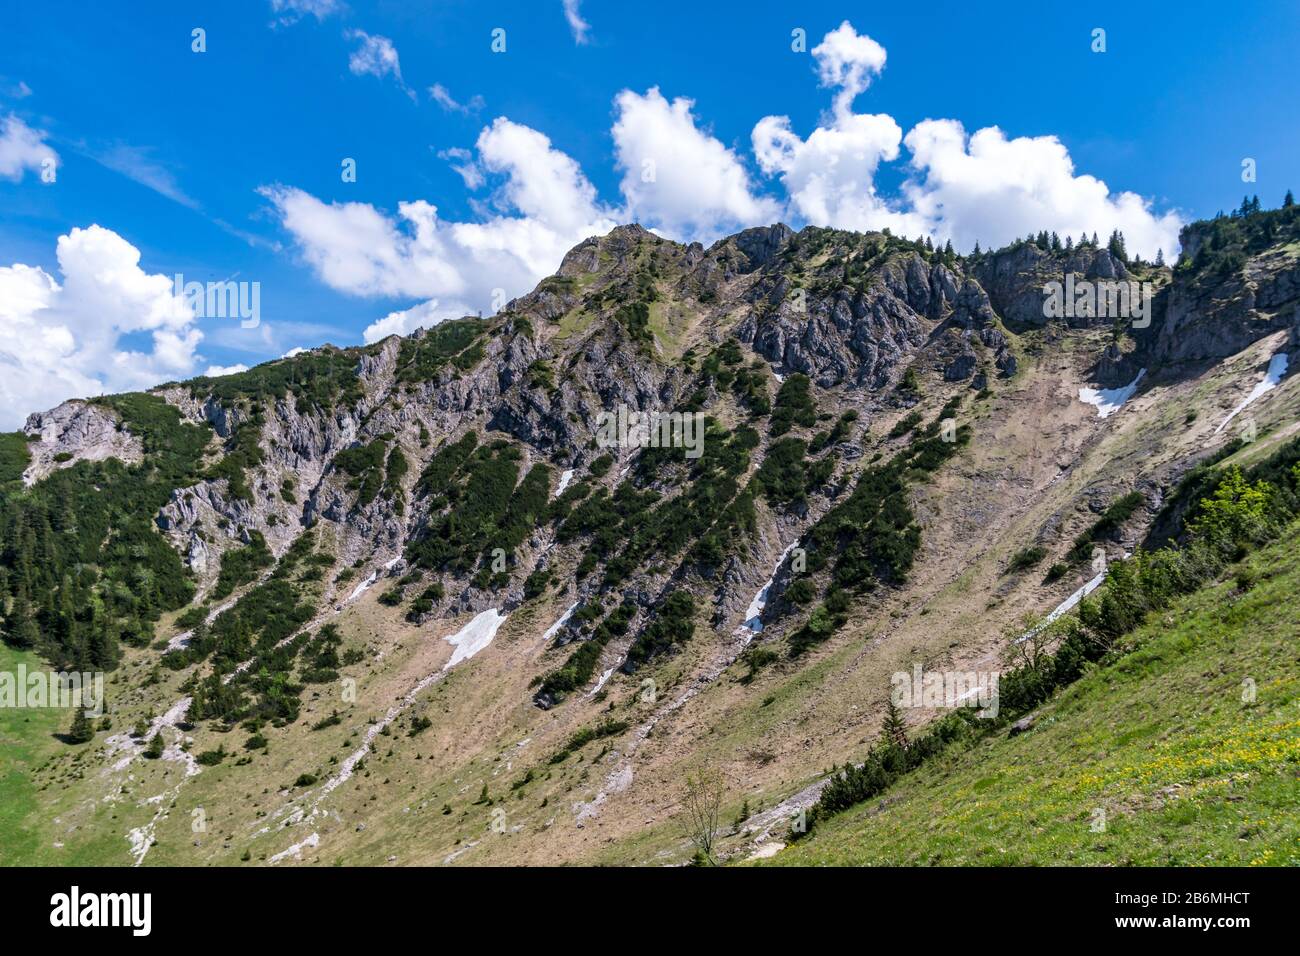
{"points": [[976, 250], [1116, 246], [893, 730], [1288, 200], [20, 630], [102, 646], [81, 731], [155, 748], [1160, 257]]}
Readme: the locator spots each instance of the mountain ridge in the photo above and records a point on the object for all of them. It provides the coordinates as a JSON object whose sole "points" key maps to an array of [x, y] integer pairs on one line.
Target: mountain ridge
{"points": [[824, 361]]}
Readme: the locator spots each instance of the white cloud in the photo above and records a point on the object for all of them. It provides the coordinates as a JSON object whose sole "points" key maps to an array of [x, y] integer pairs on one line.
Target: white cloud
{"points": [[59, 341], [22, 147], [214, 371], [830, 177], [848, 60], [442, 96], [462, 163], [993, 189], [296, 350], [577, 26], [405, 321], [543, 207], [984, 187], [291, 11], [677, 177], [376, 56]]}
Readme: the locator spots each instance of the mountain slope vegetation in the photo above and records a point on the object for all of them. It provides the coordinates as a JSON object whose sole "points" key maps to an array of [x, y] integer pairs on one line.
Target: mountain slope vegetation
{"points": [[405, 602]]}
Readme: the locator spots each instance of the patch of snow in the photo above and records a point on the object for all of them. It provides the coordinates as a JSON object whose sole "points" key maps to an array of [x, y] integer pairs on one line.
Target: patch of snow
{"points": [[564, 482], [604, 678], [362, 587], [1277, 366], [1068, 605], [754, 613], [564, 619], [474, 636], [389, 565], [1109, 400]]}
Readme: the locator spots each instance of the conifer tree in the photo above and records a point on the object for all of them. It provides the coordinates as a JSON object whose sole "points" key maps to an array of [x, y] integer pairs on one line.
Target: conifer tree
{"points": [[20, 630], [1288, 200], [1116, 246], [154, 750], [893, 730], [81, 731]]}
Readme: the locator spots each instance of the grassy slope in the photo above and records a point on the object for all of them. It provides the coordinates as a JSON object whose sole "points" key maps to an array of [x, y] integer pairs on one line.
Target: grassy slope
{"points": [[1161, 741], [26, 740]]}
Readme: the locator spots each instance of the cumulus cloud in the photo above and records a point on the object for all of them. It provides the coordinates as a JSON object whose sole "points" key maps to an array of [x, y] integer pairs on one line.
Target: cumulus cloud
{"points": [[542, 207], [87, 334], [847, 60], [677, 177], [830, 176], [376, 56], [577, 26], [993, 189], [22, 148], [984, 186]]}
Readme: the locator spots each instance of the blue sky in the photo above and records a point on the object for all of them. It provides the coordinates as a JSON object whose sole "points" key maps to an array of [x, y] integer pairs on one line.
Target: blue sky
{"points": [[226, 163]]}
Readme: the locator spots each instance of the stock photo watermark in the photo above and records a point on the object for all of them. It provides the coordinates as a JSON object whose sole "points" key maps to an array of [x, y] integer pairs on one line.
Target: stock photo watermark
{"points": [[948, 689], [624, 428], [1107, 299], [221, 300], [53, 689]]}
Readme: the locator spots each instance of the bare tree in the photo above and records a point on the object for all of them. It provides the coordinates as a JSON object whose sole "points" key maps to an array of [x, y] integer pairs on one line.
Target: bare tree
{"points": [[1028, 641], [702, 798]]}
